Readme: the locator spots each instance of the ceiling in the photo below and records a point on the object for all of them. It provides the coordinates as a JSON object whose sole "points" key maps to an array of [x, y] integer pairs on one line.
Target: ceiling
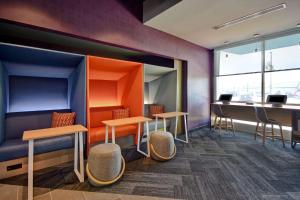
{"points": [[193, 20]]}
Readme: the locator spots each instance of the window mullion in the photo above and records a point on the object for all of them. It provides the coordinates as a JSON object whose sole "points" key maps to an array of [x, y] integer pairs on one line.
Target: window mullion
{"points": [[263, 64]]}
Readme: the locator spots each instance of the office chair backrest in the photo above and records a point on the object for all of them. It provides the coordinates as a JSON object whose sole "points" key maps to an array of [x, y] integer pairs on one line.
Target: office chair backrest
{"points": [[217, 110], [277, 99], [261, 115]]}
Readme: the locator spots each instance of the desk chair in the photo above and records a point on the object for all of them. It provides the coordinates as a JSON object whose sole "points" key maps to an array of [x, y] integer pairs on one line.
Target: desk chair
{"points": [[261, 117], [217, 109], [275, 99]]}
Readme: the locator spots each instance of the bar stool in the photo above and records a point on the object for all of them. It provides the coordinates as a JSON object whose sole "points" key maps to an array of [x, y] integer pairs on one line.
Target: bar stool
{"points": [[217, 109], [261, 117]]}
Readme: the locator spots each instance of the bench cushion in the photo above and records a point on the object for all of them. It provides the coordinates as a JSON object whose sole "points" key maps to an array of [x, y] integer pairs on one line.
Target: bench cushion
{"points": [[62, 119], [17, 148]]}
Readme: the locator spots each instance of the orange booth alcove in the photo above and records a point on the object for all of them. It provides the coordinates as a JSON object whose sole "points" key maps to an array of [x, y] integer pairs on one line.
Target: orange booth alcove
{"points": [[112, 84]]}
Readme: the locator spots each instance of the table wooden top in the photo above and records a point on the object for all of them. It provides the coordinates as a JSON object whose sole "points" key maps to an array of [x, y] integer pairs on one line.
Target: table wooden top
{"points": [[265, 105], [126, 121], [170, 114], [52, 132]]}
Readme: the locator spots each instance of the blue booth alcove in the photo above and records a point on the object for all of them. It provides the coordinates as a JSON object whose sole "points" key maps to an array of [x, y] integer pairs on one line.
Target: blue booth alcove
{"points": [[33, 84]]}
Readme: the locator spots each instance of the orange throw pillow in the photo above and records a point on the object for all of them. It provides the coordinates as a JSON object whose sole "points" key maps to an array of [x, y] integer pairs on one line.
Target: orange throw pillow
{"points": [[120, 113], [155, 109], [63, 119]]}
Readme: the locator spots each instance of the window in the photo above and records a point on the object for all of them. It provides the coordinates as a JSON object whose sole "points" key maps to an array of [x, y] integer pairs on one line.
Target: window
{"points": [[241, 59], [245, 87], [284, 82], [282, 66], [240, 69], [282, 53], [239, 72]]}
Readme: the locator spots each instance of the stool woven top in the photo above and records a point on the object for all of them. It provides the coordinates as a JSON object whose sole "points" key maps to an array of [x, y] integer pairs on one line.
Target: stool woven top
{"points": [[162, 146], [106, 149], [105, 164]]}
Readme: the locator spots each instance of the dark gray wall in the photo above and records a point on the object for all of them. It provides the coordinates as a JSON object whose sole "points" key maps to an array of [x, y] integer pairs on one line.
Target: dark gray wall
{"points": [[146, 93], [163, 91]]}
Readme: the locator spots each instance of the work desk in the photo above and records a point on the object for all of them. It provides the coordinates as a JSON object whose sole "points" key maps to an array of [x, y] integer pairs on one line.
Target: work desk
{"points": [[32, 135], [265, 105], [243, 111], [127, 121], [167, 115]]}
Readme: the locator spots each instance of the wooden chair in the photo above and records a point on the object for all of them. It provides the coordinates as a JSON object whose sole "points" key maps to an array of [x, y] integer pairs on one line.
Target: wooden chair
{"points": [[262, 118], [220, 116]]}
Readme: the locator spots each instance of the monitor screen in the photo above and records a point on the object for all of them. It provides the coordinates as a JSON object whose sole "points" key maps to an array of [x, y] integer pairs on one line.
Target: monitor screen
{"points": [[277, 99], [225, 97]]}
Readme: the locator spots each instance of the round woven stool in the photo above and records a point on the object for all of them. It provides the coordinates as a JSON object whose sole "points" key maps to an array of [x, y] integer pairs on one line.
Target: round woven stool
{"points": [[162, 146], [105, 164]]}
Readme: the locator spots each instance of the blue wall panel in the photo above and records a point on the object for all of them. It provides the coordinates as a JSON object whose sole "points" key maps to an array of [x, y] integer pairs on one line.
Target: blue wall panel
{"points": [[35, 93], [21, 69], [78, 93], [2, 103], [36, 56]]}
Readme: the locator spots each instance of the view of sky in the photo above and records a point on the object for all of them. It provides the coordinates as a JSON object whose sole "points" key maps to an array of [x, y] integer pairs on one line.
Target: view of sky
{"points": [[247, 59]]}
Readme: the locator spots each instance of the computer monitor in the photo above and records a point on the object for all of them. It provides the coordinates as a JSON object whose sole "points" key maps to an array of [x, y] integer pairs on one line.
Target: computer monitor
{"points": [[225, 97], [277, 99]]}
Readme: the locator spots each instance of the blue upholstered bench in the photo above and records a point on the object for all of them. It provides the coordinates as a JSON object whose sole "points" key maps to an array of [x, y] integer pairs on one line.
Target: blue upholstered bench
{"points": [[17, 148], [14, 147]]}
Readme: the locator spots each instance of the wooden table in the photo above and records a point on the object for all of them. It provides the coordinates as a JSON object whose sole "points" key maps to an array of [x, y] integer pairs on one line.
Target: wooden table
{"points": [[287, 115], [32, 135], [243, 111], [127, 121], [265, 105], [164, 116]]}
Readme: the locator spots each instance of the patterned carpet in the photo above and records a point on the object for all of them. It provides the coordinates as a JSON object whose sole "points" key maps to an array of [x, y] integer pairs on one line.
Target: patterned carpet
{"points": [[209, 167]]}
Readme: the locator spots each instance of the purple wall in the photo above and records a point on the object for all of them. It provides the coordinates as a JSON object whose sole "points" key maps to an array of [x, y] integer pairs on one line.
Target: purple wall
{"points": [[111, 22]]}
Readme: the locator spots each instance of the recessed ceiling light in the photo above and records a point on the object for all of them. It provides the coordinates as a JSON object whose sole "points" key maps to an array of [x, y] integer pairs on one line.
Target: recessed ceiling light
{"points": [[256, 35], [251, 16]]}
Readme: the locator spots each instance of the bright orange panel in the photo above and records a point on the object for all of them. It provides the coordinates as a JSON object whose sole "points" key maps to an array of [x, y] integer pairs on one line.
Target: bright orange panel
{"points": [[112, 84], [111, 65], [106, 75], [133, 97], [97, 115], [103, 93], [98, 134]]}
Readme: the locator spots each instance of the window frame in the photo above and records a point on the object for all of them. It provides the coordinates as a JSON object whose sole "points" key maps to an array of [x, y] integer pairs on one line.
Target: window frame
{"points": [[263, 72]]}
